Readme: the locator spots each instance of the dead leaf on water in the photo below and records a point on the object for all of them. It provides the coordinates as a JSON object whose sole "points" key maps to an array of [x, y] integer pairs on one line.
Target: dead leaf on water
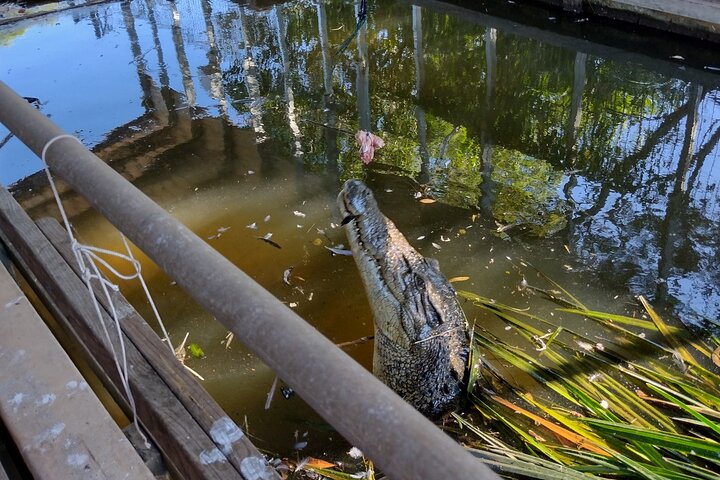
{"points": [[338, 250], [458, 279], [427, 200], [267, 240], [436, 245], [228, 339], [317, 242], [311, 462], [219, 233], [286, 275]]}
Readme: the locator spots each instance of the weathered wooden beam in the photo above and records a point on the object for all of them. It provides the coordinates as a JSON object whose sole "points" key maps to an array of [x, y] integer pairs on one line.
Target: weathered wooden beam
{"points": [[228, 437], [187, 449], [59, 425]]}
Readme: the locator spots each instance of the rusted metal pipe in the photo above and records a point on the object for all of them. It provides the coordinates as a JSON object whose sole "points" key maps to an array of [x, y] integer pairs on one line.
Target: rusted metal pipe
{"points": [[368, 414]]}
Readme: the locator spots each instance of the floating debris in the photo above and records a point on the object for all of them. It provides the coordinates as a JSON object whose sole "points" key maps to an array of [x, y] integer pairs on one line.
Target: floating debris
{"points": [[458, 279], [195, 351], [340, 250], [180, 354], [355, 453], [267, 240], [219, 233], [286, 275], [252, 226], [298, 213], [267, 218], [443, 238], [427, 200], [436, 245], [228, 339]]}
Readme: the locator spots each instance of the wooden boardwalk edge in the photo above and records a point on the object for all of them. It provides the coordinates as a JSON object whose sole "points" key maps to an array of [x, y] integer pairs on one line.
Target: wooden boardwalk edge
{"points": [[61, 428], [185, 440]]}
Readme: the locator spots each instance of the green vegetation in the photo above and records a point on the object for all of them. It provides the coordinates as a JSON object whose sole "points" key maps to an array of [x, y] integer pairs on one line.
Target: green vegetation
{"points": [[644, 404]]}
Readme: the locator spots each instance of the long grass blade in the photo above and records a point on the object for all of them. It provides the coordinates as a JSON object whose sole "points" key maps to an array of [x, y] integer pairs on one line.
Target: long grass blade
{"points": [[674, 441]]}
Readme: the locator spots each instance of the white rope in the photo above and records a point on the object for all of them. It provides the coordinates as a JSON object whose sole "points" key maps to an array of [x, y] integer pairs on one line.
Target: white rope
{"points": [[88, 258]]}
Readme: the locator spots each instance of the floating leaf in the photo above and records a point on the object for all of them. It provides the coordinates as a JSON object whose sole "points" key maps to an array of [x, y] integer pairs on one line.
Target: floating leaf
{"points": [[340, 251], [312, 462], [427, 200], [458, 279], [195, 351], [267, 240], [286, 275]]}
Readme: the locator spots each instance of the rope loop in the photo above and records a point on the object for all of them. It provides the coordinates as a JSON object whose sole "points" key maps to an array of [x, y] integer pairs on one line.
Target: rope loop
{"points": [[88, 258]]}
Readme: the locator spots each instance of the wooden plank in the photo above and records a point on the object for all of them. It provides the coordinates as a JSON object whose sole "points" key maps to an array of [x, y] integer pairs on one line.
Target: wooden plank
{"points": [[187, 449], [57, 422], [228, 437], [698, 18], [703, 14]]}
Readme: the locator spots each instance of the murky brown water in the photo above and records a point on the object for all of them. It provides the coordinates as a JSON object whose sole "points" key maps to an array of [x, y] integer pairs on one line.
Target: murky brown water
{"points": [[599, 170]]}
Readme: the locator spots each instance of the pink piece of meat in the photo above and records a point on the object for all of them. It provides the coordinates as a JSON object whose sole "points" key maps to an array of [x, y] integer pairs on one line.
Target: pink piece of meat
{"points": [[368, 144]]}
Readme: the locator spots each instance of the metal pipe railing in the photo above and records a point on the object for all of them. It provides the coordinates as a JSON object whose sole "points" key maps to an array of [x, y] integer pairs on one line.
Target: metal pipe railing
{"points": [[403, 443]]}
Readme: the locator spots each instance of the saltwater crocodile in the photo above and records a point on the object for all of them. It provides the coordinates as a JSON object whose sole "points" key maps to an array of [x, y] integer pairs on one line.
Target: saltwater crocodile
{"points": [[421, 335]]}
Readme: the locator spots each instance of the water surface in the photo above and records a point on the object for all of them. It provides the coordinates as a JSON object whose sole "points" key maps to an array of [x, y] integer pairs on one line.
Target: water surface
{"points": [[592, 157]]}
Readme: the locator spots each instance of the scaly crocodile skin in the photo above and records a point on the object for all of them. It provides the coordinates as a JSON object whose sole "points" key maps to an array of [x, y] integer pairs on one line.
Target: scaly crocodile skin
{"points": [[421, 335]]}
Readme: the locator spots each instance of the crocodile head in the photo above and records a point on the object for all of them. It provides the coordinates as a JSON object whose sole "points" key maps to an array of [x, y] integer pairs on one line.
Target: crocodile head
{"points": [[421, 338]]}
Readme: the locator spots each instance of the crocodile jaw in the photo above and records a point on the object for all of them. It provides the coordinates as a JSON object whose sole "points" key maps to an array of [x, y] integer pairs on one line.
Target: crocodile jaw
{"points": [[421, 339]]}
